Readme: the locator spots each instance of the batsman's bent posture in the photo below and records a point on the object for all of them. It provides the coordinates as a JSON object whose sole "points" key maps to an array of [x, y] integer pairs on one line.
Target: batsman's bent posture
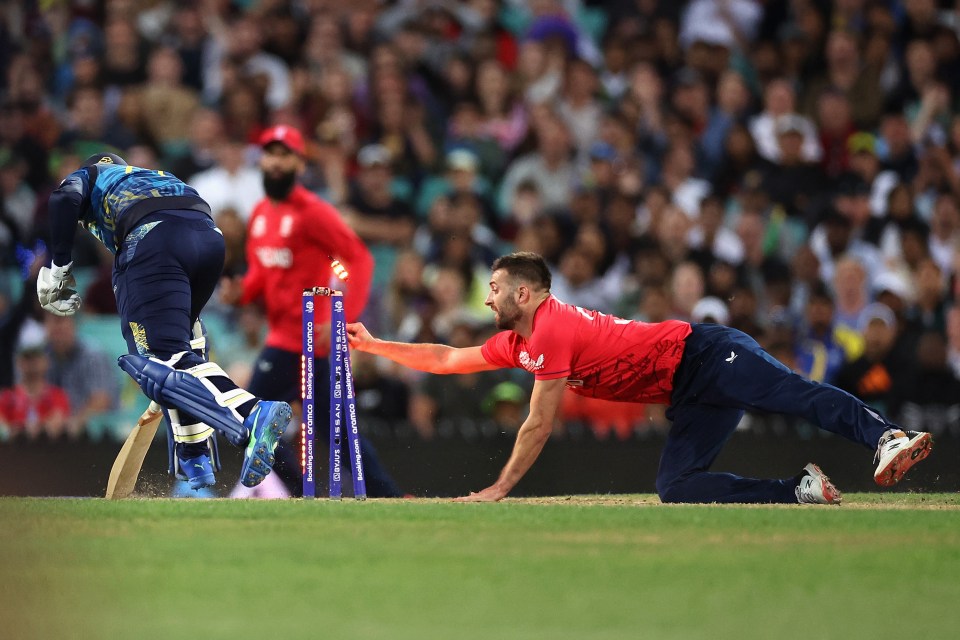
{"points": [[707, 374], [169, 255]]}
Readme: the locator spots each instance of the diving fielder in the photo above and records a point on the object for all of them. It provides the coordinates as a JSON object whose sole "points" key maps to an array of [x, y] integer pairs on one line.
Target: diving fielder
{"points": [[168, 259], [707, 374]]}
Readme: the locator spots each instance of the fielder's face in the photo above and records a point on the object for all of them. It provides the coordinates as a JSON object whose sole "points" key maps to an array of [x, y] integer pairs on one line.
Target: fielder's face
{"points": [[278, 161], [503, 301]]}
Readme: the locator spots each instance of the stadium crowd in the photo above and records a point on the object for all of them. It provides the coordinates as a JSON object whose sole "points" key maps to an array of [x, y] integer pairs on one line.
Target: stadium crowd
{"points": [[791, 169]]}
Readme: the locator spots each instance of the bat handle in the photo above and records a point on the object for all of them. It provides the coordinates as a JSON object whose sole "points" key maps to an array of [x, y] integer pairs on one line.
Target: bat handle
{"points": [[150, 413]]}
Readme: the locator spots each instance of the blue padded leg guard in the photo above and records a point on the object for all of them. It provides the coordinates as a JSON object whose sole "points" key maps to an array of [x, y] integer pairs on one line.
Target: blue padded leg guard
{"points": [[170, 387]]}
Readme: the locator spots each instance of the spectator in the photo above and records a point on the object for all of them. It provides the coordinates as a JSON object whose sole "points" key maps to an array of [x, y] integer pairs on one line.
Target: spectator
{"points": [[206, 132], [686, 289], [231, 183], [931, 395], [579, 282], [822, 349], [742, 167], [461, 176], [373, 210], [878, 373], [678, 176], [34, 407], [87, 375], [793, 182], [945, 232], [167, 106], [242, 43], [864, 163], [578, 106], [466, 132], [849, 76], [192, 42], [851, 292], [17, 198], [732, 102], [712, 236], [899, 154], [928, 313], [836, 125], [87, 131], [549, 167], [779, 101], [15, 314], [124, 54]]}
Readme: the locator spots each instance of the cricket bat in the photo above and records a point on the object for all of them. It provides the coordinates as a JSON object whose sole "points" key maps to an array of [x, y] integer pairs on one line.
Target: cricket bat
{"points": [[126, 468]]}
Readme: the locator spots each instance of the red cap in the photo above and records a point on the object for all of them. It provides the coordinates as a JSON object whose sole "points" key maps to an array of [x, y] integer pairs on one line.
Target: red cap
{"points": [[285, 135]]}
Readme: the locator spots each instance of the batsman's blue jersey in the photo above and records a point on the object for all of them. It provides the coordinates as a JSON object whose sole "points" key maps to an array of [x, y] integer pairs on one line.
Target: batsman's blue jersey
{"points": [[109, 200]]}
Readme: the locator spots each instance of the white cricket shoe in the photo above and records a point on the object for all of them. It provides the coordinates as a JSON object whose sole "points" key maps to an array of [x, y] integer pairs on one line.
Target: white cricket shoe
{"points": [[815, 487], [897, 452]]}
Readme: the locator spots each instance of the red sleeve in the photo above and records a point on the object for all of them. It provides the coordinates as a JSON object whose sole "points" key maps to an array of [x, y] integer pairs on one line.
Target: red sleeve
{"points": [[254, 277], [332, 232], [498, 350]]}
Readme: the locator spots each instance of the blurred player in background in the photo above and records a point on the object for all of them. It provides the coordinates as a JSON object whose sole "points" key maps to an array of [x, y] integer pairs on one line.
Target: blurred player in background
{"points": [[708, 375], [290, 238], [169, 255]]}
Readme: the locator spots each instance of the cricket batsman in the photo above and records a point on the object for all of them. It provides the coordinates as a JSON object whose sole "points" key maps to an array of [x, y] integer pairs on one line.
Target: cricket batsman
{"points": [[708, 375], [168, 259]]}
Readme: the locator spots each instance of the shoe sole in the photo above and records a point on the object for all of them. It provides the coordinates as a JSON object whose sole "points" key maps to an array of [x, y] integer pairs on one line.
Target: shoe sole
{"points": [[831, 494], [898, 466], [258, 466]]}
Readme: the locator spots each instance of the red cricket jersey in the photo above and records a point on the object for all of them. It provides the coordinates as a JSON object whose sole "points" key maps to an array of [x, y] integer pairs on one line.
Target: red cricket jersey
{"points": [[602, 356], [288, 249], [18, 408]]}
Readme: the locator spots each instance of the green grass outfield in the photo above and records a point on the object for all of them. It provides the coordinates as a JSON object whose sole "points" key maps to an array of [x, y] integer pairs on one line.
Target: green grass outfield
{"points": [[880, 566]]}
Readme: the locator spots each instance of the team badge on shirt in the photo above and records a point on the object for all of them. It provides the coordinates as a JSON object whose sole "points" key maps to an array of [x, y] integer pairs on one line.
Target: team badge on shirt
{"points": [[529, 363]]}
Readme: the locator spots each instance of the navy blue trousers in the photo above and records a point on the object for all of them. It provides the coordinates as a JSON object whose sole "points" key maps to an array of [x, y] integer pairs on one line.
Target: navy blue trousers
{"points": [[723, 373], [163, 275], [276, 374]]}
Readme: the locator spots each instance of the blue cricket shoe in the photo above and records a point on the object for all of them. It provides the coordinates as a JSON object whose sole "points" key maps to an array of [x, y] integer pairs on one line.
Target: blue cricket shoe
{"points": [[197, 471], [266, 424]]}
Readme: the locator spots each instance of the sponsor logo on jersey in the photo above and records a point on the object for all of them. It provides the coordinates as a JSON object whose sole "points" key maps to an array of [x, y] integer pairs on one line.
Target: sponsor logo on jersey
{"points": [[277, 257], [529, 363]]}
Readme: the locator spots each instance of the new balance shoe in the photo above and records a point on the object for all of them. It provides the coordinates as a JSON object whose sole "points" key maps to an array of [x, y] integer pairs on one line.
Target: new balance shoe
{"points": [[815, 487], [266, 424], [197, 471], [897, 452]]}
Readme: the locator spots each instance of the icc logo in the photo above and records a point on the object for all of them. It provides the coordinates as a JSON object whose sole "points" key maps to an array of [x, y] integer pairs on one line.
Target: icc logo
{"points": [[310, 307], [339, 305]]}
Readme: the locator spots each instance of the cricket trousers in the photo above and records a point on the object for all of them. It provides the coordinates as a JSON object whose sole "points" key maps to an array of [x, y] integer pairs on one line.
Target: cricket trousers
{"points": [[276, 374], [164, 273], [722, 374]]}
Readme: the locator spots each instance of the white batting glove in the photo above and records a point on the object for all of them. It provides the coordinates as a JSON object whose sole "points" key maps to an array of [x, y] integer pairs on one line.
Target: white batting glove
{"points": [[55, 289]]}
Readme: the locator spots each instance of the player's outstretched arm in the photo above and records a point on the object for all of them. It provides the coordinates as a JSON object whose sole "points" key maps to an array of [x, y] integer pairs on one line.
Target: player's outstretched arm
{"points": [[533, 434], [432, 358]]}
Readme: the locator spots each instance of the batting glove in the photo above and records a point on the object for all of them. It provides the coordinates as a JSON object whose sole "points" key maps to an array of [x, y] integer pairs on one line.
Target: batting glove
{"points": [[55, 289]]}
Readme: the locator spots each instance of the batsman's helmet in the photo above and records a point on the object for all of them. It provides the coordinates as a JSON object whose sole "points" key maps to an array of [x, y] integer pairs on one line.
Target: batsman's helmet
{"points": [[105, 158]]}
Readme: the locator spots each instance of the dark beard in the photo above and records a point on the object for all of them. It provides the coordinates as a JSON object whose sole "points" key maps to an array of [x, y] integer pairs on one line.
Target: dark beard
{"points": [[506, 321], [280, 187]]}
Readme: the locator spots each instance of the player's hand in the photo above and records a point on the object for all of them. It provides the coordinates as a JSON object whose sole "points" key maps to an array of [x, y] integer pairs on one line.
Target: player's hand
{"points": [[490, 494], [56, 290], [358, 336], [231, 290]]}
